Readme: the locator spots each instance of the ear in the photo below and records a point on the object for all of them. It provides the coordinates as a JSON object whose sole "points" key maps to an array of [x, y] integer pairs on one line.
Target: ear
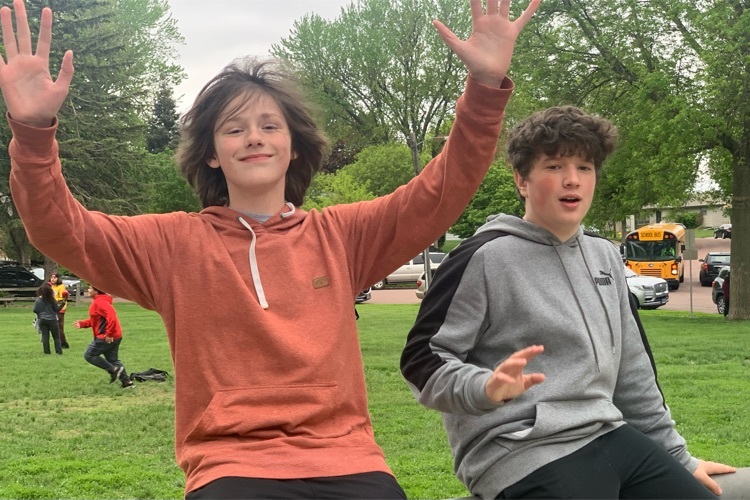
{"points": [[213, 162], [521, 184]]}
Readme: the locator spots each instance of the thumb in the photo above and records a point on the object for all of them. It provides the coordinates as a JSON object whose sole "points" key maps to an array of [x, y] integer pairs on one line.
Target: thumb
{"points": [[65, 76], [450, 39]]}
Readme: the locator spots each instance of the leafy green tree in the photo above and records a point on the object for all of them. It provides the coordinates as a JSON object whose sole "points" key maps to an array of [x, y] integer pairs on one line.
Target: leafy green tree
{"points": [[120, 49], [380, 71], [163, 133], [497, 194], [334, 189], [383, 168], [168, 190]]}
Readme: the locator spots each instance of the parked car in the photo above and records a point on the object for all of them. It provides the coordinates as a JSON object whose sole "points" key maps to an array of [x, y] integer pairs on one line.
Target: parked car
{"points": [[411, 271], [649, 292], [71, 282], [17, 281], [717, 294], [723, 231], [364, 296], [710, 265]]}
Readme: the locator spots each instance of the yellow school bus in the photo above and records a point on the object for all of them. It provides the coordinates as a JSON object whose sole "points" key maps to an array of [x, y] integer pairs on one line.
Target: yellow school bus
{"points": [[656, 250]]}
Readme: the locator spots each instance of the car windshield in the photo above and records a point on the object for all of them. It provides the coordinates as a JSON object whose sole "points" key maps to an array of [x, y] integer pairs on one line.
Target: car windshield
{"points": [[651, 250], [719, 259]]}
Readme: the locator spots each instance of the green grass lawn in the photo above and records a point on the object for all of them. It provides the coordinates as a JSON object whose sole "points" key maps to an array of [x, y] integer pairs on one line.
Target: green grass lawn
{"points": [[66, 433]]}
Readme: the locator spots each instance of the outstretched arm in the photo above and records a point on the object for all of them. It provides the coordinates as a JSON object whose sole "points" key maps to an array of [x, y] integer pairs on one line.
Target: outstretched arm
{"points": [[30, 94], [488, 50]]}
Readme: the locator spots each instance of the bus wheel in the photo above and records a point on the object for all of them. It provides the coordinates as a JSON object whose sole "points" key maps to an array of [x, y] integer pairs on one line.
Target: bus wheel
{"points": [[682, 278]]}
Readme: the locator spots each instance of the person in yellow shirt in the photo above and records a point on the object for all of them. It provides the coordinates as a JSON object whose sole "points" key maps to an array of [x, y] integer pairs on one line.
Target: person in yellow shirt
{"points": [[61, 296]]}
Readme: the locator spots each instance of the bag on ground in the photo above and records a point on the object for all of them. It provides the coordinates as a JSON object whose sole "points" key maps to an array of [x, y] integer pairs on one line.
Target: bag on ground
{"points": [[152, 374]]}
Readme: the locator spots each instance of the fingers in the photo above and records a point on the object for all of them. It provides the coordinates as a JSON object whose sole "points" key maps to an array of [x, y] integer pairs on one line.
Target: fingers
{"points": [[9, 37], [491, 7], [527, 14], [504, 8], [528, 353], [22, 28], [476, 10], [45, 34], [450, 39], [66, 70]]}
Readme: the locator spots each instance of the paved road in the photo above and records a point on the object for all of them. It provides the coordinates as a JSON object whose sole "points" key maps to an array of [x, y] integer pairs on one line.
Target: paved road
{"points": [[679, 300]]}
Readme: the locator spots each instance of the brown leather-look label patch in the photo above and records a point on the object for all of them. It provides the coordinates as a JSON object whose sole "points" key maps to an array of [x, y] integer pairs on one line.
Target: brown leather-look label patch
{"points": [[321, 282]]}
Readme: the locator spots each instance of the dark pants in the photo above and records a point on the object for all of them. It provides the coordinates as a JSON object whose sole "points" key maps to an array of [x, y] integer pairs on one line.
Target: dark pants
{"points": [[365, 485], [98, 348], [621, 464], [61, 322], [47, 326]]}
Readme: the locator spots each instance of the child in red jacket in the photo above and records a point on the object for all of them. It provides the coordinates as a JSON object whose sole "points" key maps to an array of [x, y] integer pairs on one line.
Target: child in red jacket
{"points": [[107, 337]]}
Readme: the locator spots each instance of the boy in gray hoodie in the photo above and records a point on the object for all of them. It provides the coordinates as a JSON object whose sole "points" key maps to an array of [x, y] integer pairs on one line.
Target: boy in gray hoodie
{"points": [[594, 424]]}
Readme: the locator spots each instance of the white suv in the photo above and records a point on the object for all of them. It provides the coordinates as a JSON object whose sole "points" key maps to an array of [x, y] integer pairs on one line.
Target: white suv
{"points": [[411, 271], [649, 292]]}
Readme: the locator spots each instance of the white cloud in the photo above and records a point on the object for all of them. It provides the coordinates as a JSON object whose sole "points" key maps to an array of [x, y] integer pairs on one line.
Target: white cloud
{"points": [[218, 31]]}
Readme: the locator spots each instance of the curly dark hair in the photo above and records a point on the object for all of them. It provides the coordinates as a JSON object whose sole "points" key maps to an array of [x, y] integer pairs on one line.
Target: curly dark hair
{"points": [[561, 131], [248, 78]]}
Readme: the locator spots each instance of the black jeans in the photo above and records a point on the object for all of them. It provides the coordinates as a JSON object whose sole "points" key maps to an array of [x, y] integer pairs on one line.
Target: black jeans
{"points": [[623, 463], [47, 326], [373, 485], [98, 348]]}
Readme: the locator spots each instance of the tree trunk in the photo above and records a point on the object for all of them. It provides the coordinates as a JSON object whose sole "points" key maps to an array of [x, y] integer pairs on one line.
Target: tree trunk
{"points": [[739, 303]]}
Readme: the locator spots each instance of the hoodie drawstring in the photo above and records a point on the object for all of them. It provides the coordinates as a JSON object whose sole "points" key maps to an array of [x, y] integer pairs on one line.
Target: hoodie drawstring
{"points": [[254, 260], [601, 299], [254, 267], [578, 303]]}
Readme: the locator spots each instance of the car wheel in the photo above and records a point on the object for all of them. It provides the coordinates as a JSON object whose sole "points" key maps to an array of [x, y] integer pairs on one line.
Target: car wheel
{"points": [[724, 236], [379, 285], [720, 304]]}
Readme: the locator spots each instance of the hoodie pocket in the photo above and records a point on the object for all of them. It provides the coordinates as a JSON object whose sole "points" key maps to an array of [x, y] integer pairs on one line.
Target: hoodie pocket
{"points": [[563, 421], [272, 412]]}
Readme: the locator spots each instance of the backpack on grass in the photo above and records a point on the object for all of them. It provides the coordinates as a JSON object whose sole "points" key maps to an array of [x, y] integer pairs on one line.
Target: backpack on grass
{"points": [[152, 374]]}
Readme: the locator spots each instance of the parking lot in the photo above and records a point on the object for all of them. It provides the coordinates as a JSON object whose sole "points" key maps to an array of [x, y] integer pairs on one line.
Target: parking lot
{"points": [[679, 300]]}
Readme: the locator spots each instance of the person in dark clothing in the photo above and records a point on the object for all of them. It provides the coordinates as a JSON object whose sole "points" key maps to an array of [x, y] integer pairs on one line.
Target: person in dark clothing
{"points": [[105, 324], [46, 309]]}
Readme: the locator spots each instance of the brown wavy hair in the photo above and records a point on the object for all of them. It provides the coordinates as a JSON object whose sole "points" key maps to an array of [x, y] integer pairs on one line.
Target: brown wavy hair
{"points": [[561, 131], [248, 77]]}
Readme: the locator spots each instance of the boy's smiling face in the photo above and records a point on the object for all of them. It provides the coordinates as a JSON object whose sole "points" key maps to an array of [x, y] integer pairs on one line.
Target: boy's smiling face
{"points": [[253, 148], [558, 192]]}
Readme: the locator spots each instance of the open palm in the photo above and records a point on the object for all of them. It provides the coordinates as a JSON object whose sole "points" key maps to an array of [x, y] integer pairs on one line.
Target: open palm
{"points": [[30, 94], [488, 50]]}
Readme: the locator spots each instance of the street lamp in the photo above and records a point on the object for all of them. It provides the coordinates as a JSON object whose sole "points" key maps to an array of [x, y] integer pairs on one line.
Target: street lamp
{"points": [[414, 145]]}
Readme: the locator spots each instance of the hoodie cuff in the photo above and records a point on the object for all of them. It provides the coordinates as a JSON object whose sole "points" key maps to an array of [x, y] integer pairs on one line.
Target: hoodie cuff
{"points": [[31, 142], [487, 102]]}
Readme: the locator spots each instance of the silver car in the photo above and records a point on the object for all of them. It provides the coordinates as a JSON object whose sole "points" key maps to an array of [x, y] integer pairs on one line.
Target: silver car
{"points": [[649, 292]]}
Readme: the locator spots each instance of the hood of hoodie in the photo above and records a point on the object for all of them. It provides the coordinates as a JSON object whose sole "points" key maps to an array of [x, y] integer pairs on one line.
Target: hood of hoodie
{"points": [[228, 220], [103, 297], [521, 228]]}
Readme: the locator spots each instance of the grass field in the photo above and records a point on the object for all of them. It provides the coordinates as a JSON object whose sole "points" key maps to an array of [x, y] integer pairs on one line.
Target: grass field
{"points": [[66, 433]]}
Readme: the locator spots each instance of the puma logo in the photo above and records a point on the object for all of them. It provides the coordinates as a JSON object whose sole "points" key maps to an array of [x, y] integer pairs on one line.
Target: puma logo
{"points": [[606, 280]]}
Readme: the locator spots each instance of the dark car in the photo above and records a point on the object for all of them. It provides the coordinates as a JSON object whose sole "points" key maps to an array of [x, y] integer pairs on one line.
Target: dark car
{"points": [[724, 231], [717, 294], [17, 281], [710, 265]]}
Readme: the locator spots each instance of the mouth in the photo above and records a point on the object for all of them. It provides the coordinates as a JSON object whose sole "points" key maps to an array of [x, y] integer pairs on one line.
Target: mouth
{"points": [[570, 199], [255, 157]]}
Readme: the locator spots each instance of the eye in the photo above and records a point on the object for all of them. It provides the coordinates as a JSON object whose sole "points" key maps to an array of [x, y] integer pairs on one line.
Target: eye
{"points": [[271, 126], [586, 168], [233, 131]]}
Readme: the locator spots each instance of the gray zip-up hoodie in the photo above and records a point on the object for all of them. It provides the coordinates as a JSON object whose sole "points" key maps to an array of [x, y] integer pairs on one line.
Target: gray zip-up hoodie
{"points": [[512, 285]]}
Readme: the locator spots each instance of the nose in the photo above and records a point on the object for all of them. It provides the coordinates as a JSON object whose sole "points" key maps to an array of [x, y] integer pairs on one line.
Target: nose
{"points": [[253, 137], [572, 176]]}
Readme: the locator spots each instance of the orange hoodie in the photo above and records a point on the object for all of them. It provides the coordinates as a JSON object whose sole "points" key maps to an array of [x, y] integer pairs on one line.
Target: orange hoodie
{"points": [[268, 378], [103, 319]]}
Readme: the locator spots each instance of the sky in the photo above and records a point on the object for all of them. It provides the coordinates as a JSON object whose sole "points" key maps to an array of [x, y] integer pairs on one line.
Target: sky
{"points": [[218, 31]]}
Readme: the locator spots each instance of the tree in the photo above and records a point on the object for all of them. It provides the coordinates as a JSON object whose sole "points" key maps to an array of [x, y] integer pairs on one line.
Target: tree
{"points": [[497, 194], [120, 48], [334, 189], [383, 168], [380, 71], [163, 133], [675, 77]]}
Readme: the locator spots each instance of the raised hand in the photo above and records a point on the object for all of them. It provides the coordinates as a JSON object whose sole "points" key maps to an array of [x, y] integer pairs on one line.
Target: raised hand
{"points": [[30, 94], [508, 380], [488, 50]]}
